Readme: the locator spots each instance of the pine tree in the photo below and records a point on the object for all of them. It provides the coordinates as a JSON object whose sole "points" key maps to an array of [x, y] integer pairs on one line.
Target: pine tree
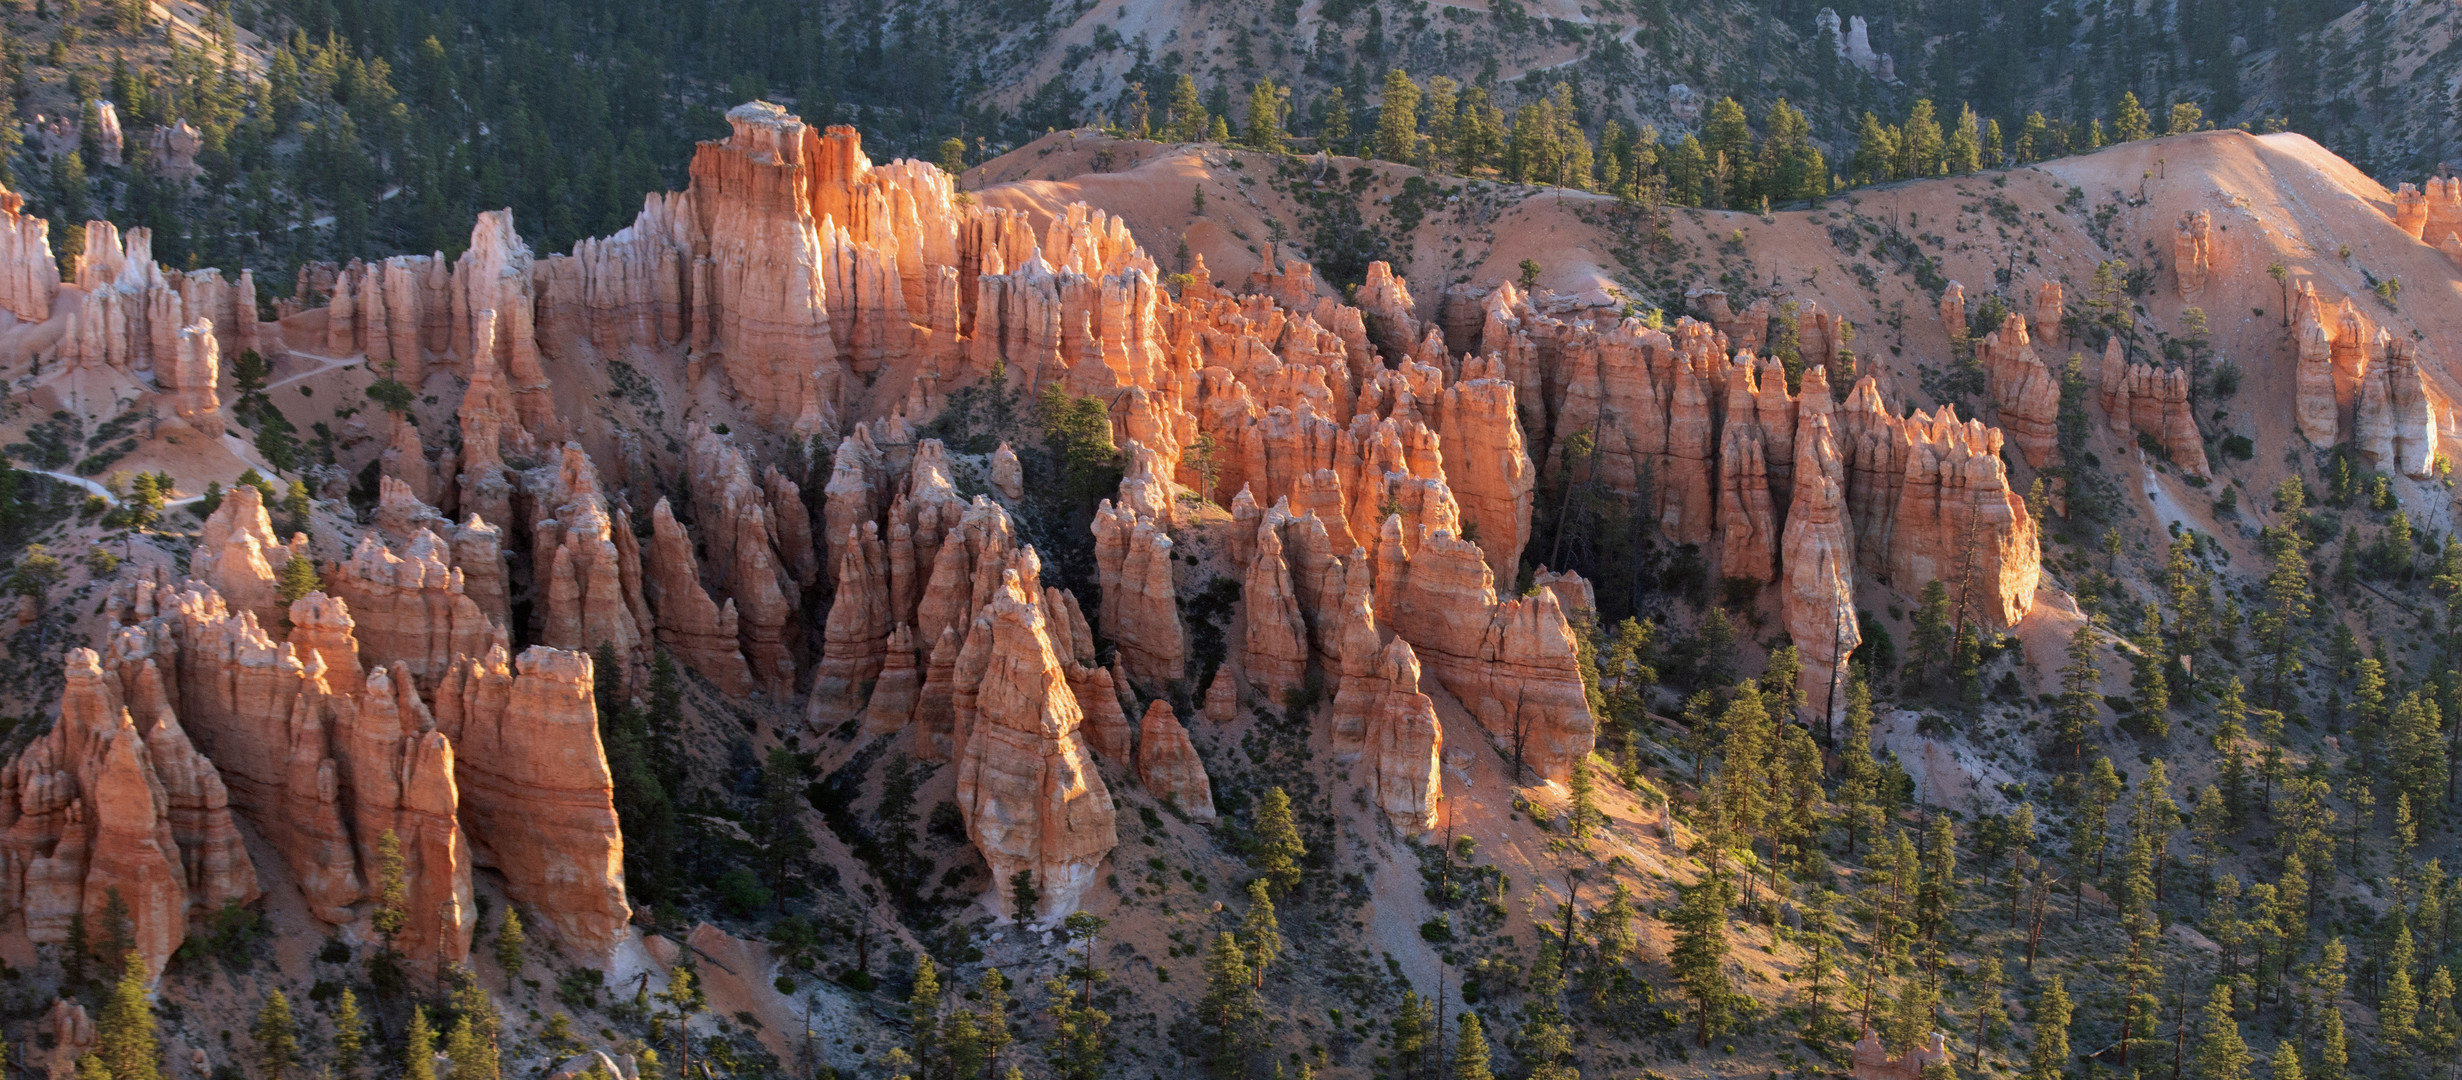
{"points": [[1699, 958], [1411, 1024], [993, 990], [1260, 931], [1187, 120], [1397, 119], [1080, 1040], [1230, 1009], [1920, 148], [1442, 107], [2132, 123], [1278, 848], [2049, 1057], [1470, 1052], [472, 1043], [2080, 691], [1859, 795], [1266, 104], [509, 939], [1725, 133], [1581, 810], [350, 1036], [276, 1035], [923, 1016], [1876, 152], [2221, 1055], [1932, 631], [124, 1036], [2287, 1060], [2334, 1049], [1963, 151], [1991, 1015], [2398, 1002], [419, 1051], [299, 578]]}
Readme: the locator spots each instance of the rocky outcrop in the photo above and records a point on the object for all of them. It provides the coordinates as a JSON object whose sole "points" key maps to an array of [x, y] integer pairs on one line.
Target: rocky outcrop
{"points": [[99, 813], [1747, 525], [2192, 253], [29, 278], [1008, 477], [238, 554], [1168, 766], [701, 633], [1488, 468], [1140, 605], [1957, 521], [855, 639], [536, 791], [1274, 652], [1032, 800], [761, 297], [413, 608], [2396, 429], [172, 151], [1953, 310], [2433, 215], [1404, 743], [2141, 398], [1384, 301], [590, 593], [1513, 663], [1818, 603], [399, 770], [2049, 312], [2025, 394], [188, 376], [2317, 412]]}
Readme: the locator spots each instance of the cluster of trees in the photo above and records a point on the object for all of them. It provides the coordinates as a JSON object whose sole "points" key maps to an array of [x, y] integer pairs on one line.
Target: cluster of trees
{"points": [[1444, 126]]}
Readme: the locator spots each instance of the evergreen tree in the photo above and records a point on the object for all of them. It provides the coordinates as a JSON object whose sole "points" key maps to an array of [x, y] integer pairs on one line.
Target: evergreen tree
{"points": [[1876, 152], [923, 1016], [1933, 628], [1397, 119], [1920, 148], [1699, 958], [2398, 1002], [299, 578], [1277, 848], [2287, 1060], [777, 822], [2048, 1059], [1859, 794], [124, 1035], [2334, 1049], [1230, 1009], [1411, 1028], [1079, 1045], [509, 940], [1260, 931], [350, 1035], [1470, 1052], [1725, 136], [471, 1044], [1185, 119], [419, 1049], [276, 1035], [2221, 1055], [2080, 691], [1266, 104], [1441, 107], [1582, 810], [2132, 123]]}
